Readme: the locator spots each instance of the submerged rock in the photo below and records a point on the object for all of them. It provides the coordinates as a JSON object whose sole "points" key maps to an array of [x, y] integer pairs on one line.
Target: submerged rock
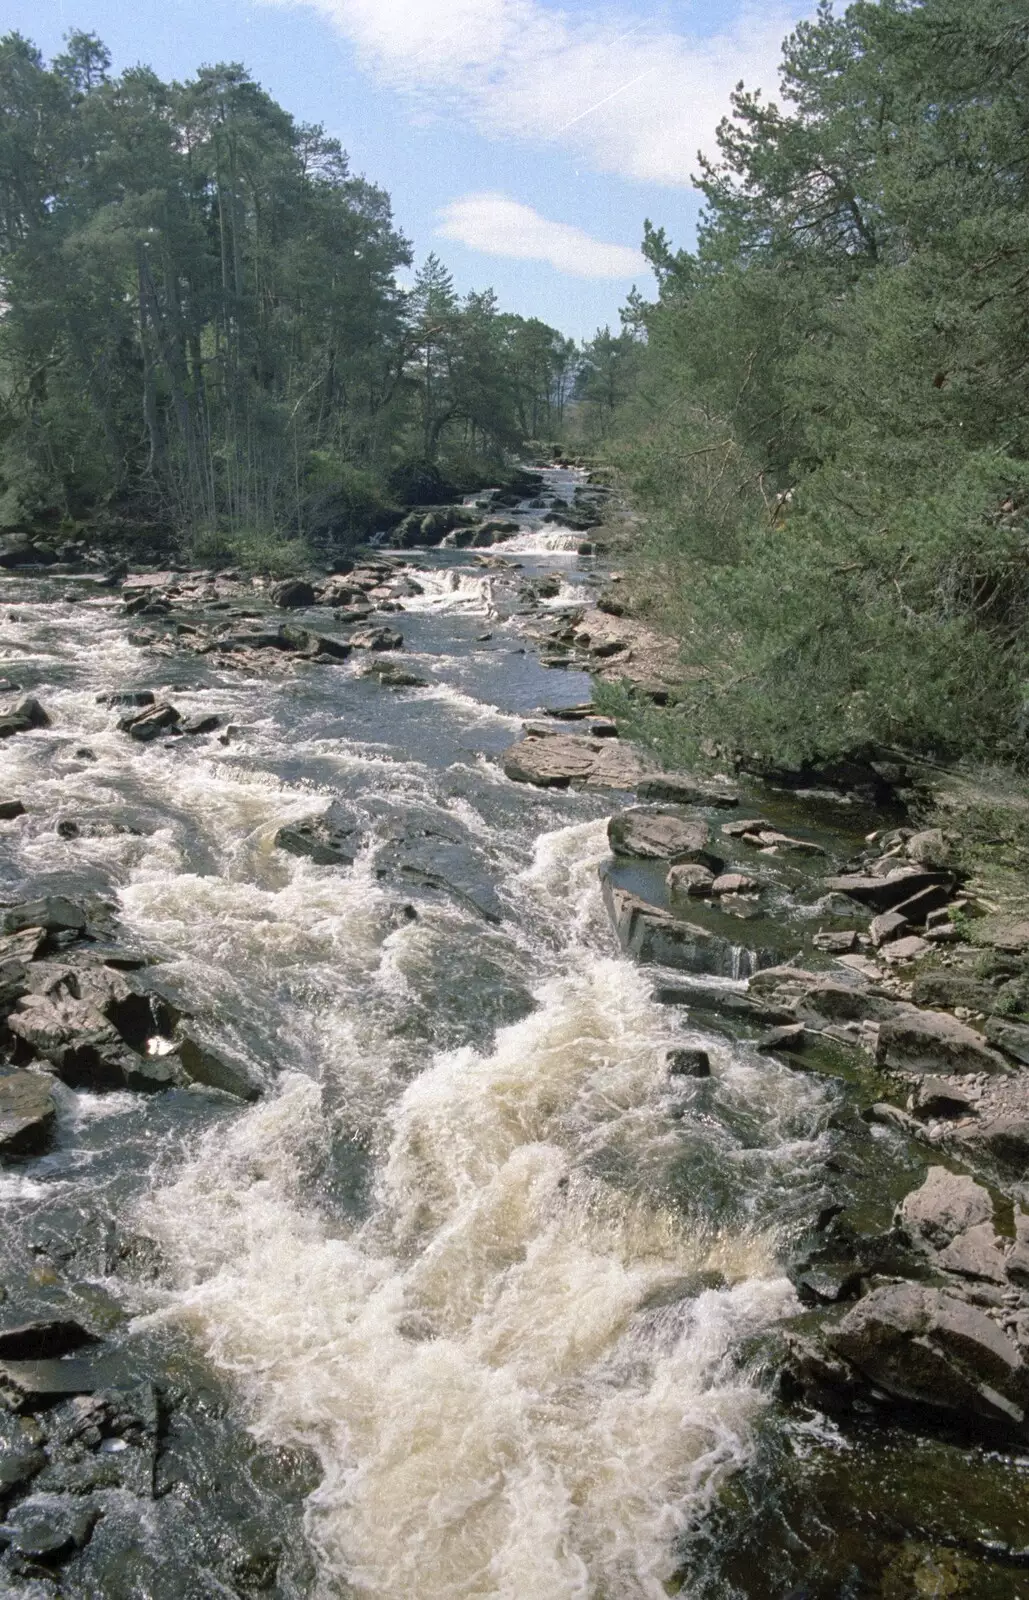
{"points": [[27, 1113], [23, 717], [331, 840]]}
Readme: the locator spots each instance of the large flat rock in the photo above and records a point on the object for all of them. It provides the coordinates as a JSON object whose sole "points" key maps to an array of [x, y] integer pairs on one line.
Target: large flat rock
{"points": [[563, 759], [649, 833], [931, 1041]]}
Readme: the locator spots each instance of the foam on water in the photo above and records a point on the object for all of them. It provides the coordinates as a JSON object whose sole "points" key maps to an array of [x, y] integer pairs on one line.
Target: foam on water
{"points": [[511, 1387]]}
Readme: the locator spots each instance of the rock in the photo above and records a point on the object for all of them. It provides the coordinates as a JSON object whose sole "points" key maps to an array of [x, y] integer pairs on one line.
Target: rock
{"points": [[900, 951], [331, 840], [84, 1048], [930, 848], [976, 1253], [27, 1113], [941, 1097], [949, 989], [888, 1116], [447, 864], [1007, 1140], [739, 830], [842, 1002], [14, 981], [918, 906], [393, 677], [1011, 1037], [293, 594], [650, 935], [9, 809], [23, 717], [648, 834], [377, 639], [886, 926], [54, 913], [214, 1065], [930, 1042], [127, 697], [735, 883], [688, 1064], [791, 1036], [923, 1345], [1017, 1264], [43, 1340], [198, 725], [946, 1205], [323, 648], [49, 1527], [836, 943], [551, 763], [772, 839], [143, 726], [680, 788], [689, 880], [889, 891], [19, 1466], [719, 1000]]}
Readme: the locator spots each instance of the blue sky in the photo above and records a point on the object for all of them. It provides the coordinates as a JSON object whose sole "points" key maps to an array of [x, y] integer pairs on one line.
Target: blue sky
{"points": [[521, 140]]}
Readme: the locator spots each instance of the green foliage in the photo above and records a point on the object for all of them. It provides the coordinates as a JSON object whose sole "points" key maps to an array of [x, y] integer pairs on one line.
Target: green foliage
{"points": [[829, 427], [202, 318]]}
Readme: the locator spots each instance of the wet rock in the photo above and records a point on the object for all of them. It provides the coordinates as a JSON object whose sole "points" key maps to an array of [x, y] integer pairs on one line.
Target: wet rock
{"points": [[150, 723], [923, 1345], [449, 865], [927, 1041], [393, 677], [18, 1466], [48, 1528], [685, 1063], [23, 717], [889, 891], [1006, 1138], [771, 839], [652, 936], [293, 594], [976, 1253], [198, 725], [946, 1205], [720, 1001], [735, 883], [790, 1036], [377, 639], [43, 1340], [27, 1113], [649, 834], [740, 829], [9, 809], [331, 840], [1017, 1265], [681, 788], [127, 697], [84, 1048], [215, 1065], [17, 550], [53, 913], [689, 880]]}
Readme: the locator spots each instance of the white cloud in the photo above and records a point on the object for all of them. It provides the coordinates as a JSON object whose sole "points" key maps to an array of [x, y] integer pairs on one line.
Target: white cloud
{"points": [[639, 101], [503, 227]]}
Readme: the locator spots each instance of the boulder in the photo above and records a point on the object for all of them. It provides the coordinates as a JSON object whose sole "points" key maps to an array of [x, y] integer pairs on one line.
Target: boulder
{"points": [[930, 848], [836, 943], [689, 880], [941, 1097], [393, 677], [889, 891], [917, 907], [27, 1113], [9, 809], [1010, 1037], [842, 1002], [148, 724], [886, 926], [54, 913], [214, 1065], [684, 1063], [681, 788], [652, 834], [948, 989], [49, 1528], [84, 1047], [899, 951], [739, 829], [331, 840], [654, 937], [293, 594], [23, 717], [127, 697], [924, 1346], [377, 639], [735, 883], [946, 1205], [976, 1253], [1006, 1138], [929, 1041], [551, 763]]}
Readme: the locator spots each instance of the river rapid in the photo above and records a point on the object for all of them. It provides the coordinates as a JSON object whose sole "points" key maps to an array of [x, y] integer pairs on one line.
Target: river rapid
{"points": [[474, 1252]]}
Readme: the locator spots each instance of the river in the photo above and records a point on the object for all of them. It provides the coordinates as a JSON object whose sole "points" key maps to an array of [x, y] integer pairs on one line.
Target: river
{"points": [[474, 1250]]}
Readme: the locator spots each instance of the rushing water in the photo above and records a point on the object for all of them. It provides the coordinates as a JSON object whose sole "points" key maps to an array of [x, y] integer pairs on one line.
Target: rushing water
{"points": [[474, 1246]]}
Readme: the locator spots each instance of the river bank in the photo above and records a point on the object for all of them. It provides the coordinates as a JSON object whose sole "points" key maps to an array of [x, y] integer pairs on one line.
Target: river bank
{"points": [[440, 1135]]}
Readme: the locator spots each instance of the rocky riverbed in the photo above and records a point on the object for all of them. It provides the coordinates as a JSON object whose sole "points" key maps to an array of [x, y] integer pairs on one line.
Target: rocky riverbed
{"points": [[445, 1153]]}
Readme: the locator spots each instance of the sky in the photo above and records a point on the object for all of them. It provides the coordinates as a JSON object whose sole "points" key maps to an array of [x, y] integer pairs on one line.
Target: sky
{"points": [[524, 141]]}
